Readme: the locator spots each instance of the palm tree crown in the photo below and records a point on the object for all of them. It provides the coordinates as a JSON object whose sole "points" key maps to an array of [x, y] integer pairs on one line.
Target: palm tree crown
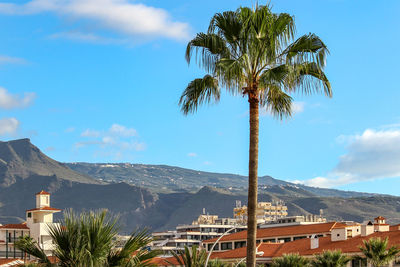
{"points": [[330, 259], [377, 251], [251, 52], [290, 260]]}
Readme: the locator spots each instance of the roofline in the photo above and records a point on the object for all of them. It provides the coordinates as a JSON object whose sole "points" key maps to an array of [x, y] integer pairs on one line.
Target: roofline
{"points": [[40, 209]]}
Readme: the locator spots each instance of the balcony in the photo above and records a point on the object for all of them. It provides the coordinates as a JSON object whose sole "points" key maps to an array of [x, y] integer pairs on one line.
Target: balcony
{"points": [[10, 254]]}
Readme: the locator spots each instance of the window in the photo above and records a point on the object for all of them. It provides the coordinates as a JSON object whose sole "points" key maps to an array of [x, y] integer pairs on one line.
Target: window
{"points": [[226, 246], [240, 244], [285, 239], [29, 215], [272, 240]]}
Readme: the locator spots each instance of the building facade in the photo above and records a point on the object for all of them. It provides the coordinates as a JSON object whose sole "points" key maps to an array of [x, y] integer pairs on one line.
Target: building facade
{"points": [[204, 228], [36, 226], [265, 212]]}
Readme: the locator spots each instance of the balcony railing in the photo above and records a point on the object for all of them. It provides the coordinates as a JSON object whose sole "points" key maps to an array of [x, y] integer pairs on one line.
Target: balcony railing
{"points": [[11, 254]]}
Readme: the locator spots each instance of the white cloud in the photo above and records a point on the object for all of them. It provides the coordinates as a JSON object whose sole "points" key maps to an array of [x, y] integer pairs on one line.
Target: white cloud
{"points": [[298, 107], [70, 129], [11, 60], [121, 16], [122, 130], [115, 141], [87, 37], [192, 154], [90, 133], [9, 126], [370, 155], [9, 101]]}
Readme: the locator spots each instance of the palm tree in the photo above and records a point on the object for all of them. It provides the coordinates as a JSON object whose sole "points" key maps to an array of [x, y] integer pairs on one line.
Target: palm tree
{"points": [[330, 259], [191, 257], [31, 247], [290, 260], [133, 253], [89, 240], [377, 252], [251, 52]]}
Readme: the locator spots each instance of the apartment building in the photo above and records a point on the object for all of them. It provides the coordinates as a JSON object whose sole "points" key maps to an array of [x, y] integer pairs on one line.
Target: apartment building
{"points": [[36, 226], [265, 212], [205, 227]]}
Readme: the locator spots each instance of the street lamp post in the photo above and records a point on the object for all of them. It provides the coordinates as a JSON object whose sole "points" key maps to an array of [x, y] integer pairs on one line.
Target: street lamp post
{"points": [[258, 253], [216, 242]]}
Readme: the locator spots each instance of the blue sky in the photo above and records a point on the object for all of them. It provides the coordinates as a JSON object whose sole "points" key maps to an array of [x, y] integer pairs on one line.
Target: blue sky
{"points": [[99, 81]]}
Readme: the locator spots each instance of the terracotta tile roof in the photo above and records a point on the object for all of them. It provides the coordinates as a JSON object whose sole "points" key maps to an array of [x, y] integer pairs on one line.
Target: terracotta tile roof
{"points": [[303, 246], [164, 261], [380, 218], [394, 227], [53, 259], [268, 249], [281, 231], [22, 226], [43, 193], [10, 262], [45, 208]]}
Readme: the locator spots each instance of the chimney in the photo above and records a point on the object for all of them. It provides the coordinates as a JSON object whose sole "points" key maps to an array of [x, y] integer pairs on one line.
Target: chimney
{"points": [[314, 241], [367, 229]]}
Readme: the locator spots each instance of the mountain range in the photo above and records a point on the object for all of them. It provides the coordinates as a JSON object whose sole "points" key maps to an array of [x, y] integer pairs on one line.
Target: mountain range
{"points": [[158, 196]]}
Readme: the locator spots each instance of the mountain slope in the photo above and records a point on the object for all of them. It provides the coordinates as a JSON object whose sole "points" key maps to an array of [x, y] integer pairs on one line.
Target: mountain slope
{"points": [[25, 170], [167, 179], [21, 159]]}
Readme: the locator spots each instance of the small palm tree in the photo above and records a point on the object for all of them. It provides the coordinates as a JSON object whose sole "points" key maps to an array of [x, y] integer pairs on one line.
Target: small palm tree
{"points": [[330, 259], [253, 53], [134, 252], [87, 240], [290, 260], [191, 257], [377, 252]]}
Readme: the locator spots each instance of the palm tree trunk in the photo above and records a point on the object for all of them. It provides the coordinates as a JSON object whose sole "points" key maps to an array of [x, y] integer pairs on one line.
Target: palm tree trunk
{"points": [[252, 191]]}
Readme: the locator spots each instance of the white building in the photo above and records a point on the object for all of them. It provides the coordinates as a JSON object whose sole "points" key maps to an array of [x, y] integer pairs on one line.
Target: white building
{"points": [[205, 227], [36, 226]]}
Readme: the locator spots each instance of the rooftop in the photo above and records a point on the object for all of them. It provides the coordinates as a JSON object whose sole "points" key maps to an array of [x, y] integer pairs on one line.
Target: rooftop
{"points": [[303, 246], [283, 231], [21, 226], [43, 193]]}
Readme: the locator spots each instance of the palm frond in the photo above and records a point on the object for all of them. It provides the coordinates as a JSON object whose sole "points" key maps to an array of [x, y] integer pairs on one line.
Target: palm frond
{"points": [[292, 260], [307, 48], [133, 253], [330, 259], [31, 247], [277, 102], [209, 47], [377, 252], [191, 257], [199, 91]]}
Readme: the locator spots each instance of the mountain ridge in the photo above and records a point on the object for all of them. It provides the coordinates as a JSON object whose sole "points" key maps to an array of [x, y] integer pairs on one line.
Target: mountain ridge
{"points": [[25, 170], [165, 178]]}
